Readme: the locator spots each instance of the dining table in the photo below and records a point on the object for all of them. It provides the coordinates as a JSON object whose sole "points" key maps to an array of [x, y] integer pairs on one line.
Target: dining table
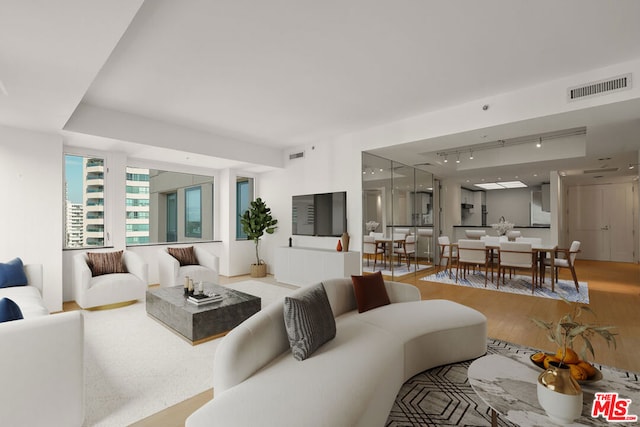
{"points": [[540, 251], [386, 243]]}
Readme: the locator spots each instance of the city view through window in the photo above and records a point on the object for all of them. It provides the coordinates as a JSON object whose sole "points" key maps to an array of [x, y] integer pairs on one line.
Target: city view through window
{"points": [[161, 206]]}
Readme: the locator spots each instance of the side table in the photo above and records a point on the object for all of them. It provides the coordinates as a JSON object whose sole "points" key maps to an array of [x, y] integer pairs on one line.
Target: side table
{"points": [[508, 385]]}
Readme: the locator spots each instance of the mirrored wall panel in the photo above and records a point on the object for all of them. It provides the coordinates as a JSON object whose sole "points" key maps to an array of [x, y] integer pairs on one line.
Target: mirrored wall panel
{"points": [[397, 208]]}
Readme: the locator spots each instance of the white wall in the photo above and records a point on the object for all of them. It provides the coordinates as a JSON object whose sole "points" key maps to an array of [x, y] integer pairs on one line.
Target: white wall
{"points": [[324, 168], [31, 209], [513, 204], [334, 164]]}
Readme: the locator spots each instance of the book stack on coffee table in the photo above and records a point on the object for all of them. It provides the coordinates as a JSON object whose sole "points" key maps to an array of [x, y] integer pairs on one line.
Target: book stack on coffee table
{"points": [[202, 299]]}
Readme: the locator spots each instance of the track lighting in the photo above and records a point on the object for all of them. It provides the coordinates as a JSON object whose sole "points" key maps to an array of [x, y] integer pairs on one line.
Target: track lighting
{"points": [[539, 143]]}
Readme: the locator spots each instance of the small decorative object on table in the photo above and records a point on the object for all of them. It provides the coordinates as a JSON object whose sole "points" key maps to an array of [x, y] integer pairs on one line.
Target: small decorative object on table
{"points": [[339, 246], [559, 393], [502, 226], [345, 242]]}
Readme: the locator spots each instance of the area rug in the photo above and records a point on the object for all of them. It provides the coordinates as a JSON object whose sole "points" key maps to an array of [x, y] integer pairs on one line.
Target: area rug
{"points": [[398, 270], [443, 396], [564, 289], [135, 367]]}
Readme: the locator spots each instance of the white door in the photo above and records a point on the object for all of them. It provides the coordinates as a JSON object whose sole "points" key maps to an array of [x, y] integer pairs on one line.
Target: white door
{"points": [[601, 218]]}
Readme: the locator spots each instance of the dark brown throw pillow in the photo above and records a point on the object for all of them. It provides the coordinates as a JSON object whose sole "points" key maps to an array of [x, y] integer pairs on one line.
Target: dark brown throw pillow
{"points": [[185, 256], [105, 263], [370, 291]]}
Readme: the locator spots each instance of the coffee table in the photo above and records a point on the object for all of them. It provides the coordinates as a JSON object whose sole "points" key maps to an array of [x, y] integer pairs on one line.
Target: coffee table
{"points": [[508, 385], [197, 324]]}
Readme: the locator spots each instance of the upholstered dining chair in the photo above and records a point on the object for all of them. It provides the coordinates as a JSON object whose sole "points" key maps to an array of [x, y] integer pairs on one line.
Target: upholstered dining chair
{"points": [[407, 249], [532, 240], [475, 234], [567, 260], [472, 252], [370, 247], [193, 261], [514, 255], [494, 243], [512, 235], [448, 252]]}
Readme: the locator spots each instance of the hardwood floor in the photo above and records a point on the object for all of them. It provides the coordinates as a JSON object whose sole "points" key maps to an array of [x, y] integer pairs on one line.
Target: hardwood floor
{"points": [[614, 292]]}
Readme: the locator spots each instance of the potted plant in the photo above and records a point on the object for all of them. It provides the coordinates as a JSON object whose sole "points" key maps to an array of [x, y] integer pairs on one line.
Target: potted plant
{"points": [[558, 390], [256, 221], [570, 326]]}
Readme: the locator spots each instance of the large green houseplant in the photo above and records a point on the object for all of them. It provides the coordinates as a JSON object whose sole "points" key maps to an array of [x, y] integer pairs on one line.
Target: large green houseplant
{"points": [[256, 221]]}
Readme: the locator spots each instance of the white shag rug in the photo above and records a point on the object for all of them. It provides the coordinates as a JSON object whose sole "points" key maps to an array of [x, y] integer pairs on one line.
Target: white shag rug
{"points": [[135, 367]]}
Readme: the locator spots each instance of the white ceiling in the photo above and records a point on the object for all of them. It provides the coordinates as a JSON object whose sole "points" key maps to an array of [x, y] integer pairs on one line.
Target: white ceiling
{"points": [[283, 73]]}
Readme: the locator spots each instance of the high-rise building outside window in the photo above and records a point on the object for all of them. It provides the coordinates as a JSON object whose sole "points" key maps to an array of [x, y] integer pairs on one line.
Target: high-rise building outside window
{"points": [[137, 201], [84, 201], [193, 212], [244, 196]]}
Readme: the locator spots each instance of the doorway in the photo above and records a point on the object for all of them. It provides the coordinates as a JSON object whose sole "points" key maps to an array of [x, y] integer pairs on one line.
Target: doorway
{"points": [[601, 217]]}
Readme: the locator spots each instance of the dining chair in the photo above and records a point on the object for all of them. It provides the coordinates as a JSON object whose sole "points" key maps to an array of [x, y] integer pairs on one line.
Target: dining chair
{"points": [[472, 252], [493, 244], [448, 252], [567, 260], [407, 249], [532, 240], [512, 235], [370, 247], [475, 234], [514, 255]]}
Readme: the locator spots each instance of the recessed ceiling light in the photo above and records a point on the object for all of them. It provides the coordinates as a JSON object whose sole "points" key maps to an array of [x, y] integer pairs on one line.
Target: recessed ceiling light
{"points": [[513, 184], [501, 185], [490, 186]]}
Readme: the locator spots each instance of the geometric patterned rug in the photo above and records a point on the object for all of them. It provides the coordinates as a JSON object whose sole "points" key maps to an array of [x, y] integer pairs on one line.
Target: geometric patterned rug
{"points": [[517, 284], [442, 396]]}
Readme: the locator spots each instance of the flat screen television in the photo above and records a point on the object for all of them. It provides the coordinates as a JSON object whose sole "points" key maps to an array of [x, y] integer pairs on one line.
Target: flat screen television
{"points": [[319, 214]]}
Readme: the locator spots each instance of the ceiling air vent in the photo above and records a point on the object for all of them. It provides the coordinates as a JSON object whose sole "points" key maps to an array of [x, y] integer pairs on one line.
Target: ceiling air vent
{"points": [[600, 87], [296, 155]]}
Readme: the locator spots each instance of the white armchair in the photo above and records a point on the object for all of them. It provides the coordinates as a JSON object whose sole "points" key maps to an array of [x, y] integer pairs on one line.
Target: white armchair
{"points": [[172, 274], [94, 291]]}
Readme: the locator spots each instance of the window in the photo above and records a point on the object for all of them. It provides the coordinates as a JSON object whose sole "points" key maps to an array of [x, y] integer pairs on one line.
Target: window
{"points": [[164, 206], [84, 201], [193, 212], [244, 196]]}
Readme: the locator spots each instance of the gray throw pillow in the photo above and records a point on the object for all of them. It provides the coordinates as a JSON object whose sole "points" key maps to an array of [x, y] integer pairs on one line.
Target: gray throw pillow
{"points": [[309, 321]]}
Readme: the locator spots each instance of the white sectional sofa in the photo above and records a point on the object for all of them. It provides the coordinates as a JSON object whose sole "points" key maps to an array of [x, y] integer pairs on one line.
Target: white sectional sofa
{"points": [[351, 380], [41, 361]]}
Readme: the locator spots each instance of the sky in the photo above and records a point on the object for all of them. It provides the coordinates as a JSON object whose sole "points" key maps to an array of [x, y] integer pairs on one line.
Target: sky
{"points": [[73, 177]]}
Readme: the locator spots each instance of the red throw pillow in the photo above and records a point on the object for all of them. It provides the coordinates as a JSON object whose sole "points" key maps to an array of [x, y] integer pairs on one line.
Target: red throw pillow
{"points": [[370, 291]]}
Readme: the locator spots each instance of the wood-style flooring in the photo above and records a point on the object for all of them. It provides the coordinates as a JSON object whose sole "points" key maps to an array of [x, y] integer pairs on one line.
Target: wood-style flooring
{"points": [[614, 292]]}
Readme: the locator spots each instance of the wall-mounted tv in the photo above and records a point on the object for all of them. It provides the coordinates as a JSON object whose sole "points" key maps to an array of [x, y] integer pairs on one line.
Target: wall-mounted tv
{"points": [[319, 214]]}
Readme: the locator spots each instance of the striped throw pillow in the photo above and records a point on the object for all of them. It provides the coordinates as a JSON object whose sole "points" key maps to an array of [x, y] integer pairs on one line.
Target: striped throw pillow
{"points": [[105, 263], [185, 256], [309, 321]]}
